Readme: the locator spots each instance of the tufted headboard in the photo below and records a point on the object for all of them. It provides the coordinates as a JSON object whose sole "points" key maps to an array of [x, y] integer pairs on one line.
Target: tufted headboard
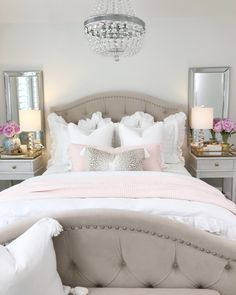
{"points": [[115, 105]]}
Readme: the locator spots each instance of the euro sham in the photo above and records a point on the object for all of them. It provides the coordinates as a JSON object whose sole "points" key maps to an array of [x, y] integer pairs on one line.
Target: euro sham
{"points": [[173, 133], [60, 138]]}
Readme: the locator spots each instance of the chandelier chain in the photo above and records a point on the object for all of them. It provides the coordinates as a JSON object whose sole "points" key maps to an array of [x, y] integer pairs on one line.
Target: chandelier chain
{"points": [[98, 8], [130, 9], [119, 6], [113, 6]]}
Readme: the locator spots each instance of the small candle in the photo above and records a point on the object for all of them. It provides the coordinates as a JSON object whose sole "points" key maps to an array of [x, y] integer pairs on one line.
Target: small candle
{"points": [[24, 148]]}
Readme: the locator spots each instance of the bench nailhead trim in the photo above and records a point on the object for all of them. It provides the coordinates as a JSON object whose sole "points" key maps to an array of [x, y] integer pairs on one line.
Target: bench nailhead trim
{"points": [[159, 235]]}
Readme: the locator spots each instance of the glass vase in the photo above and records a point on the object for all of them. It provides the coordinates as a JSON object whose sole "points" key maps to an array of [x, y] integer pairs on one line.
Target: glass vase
{"points": [[225, 144], [225, 147], [213, 136], [225, 137], [11, 145]]}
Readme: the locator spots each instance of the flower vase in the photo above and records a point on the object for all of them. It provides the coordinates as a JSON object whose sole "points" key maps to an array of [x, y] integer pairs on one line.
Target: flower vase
{"points": [[11, 145], [225, 147], [225, 144], [213, 137]]}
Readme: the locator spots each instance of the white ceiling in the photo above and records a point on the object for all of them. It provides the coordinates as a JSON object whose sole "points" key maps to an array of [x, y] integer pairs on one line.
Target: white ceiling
{"points": [[21, 11]]}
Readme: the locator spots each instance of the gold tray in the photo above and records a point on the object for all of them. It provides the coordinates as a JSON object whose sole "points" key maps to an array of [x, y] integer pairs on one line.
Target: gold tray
{"points": [[222, 154], [28, 155]]}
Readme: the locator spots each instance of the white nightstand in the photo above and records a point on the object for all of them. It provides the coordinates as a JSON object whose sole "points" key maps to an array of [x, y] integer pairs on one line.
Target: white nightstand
{"points": [[21, 169], [214, 167]]}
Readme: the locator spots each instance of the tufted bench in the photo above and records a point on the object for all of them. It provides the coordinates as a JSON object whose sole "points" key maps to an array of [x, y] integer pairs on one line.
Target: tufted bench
{"points": [[114, 252], [136, 291]]}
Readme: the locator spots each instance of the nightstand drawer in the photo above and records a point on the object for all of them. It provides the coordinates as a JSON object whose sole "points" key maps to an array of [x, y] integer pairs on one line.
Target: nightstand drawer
{"points": [[21, 166], [15, 166], [216, 164]]}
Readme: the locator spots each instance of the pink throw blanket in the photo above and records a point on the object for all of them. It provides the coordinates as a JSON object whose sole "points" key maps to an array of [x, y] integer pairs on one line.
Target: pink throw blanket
{"points": [[103, 185]]}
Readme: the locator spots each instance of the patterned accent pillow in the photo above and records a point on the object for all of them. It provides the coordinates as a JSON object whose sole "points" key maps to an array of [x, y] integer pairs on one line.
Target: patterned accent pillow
{"points": [[97, 160]]}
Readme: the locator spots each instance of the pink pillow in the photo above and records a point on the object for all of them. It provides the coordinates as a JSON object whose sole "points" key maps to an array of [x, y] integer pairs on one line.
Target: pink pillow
{"points": [[152, 163], [76, 159]]}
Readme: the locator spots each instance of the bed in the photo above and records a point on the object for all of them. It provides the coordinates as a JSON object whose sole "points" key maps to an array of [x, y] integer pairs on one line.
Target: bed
{"points": [[115, 240]]}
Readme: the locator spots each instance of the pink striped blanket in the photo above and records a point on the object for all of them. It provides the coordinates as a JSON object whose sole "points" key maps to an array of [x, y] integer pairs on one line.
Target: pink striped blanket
{"points": [[117, 185]]}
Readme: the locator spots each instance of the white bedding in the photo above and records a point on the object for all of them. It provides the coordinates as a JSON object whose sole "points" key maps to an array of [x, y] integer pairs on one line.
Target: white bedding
{"points": [[173, 168], [208, 217], [176, 168]]}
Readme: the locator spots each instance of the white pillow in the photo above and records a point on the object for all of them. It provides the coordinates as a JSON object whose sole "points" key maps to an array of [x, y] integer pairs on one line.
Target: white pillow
{"points": [[95, 122], [138, 120], [101, 136], [61, 140], [28, 264], [138, 136], [174, 134]]}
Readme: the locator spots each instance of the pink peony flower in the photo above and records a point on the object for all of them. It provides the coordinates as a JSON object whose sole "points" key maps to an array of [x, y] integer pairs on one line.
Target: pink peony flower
{"points": [[228, 125], [218, 128], [216, 120], [9, 129], [225, 126], [15, 126]]}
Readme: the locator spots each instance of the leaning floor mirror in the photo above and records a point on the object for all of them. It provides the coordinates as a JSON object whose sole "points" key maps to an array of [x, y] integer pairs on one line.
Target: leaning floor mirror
{"points": [[25, 103]]}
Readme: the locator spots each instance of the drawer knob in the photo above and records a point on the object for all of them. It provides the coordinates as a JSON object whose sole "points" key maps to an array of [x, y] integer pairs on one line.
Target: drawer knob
{"points": [[13, 167], [217, 164]]}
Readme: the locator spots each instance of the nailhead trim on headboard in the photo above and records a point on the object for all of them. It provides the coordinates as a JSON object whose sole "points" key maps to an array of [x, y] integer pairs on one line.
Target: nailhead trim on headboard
{"points": [[156, 106]]}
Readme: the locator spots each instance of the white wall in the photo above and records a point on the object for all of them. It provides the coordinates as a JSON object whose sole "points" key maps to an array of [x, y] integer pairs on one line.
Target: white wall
{"points": [[71, 70]]}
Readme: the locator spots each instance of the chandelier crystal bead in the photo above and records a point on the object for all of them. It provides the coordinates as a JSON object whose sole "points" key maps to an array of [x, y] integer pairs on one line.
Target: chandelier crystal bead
{"points": [[114, 30]]}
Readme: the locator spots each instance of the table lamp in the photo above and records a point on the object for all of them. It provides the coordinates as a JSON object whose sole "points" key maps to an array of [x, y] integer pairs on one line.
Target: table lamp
{"points": [[30, 121], [201, 119]]}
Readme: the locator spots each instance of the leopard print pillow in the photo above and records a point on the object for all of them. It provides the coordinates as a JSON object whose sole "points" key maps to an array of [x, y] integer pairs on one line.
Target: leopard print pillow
{"points": [[97, 160]]}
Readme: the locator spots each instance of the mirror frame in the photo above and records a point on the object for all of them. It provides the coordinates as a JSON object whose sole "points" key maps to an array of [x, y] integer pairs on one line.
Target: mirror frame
{"points": [[12, 114], [223, 70], [8, 96]]}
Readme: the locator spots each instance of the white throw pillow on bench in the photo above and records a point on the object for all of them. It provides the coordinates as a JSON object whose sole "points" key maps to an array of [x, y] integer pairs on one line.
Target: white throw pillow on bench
{"points": [[28, 264]]}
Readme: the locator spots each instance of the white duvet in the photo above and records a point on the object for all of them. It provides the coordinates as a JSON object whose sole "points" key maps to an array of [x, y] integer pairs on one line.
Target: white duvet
{"points": [[208, 217]]}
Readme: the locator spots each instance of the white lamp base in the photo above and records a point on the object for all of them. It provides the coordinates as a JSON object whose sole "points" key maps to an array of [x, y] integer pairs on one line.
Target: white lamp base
{"points": [[201, 138], [30, 141], [198, 138]]}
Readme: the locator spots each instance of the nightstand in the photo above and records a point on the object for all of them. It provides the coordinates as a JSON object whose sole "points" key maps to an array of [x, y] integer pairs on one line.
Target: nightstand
{"points": [[21, 169], [214, 167]]}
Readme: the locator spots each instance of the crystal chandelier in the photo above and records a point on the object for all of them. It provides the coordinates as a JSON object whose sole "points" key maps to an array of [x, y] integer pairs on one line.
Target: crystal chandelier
{"points": [[114, 30]]}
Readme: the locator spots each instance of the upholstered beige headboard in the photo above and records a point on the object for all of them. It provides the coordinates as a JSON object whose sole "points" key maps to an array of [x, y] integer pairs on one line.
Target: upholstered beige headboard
{"points": [[115, 105]]}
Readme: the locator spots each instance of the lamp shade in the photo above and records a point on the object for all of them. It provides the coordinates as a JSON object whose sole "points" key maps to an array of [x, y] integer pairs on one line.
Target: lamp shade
{"points": [[30, 120], [201, 118]]}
